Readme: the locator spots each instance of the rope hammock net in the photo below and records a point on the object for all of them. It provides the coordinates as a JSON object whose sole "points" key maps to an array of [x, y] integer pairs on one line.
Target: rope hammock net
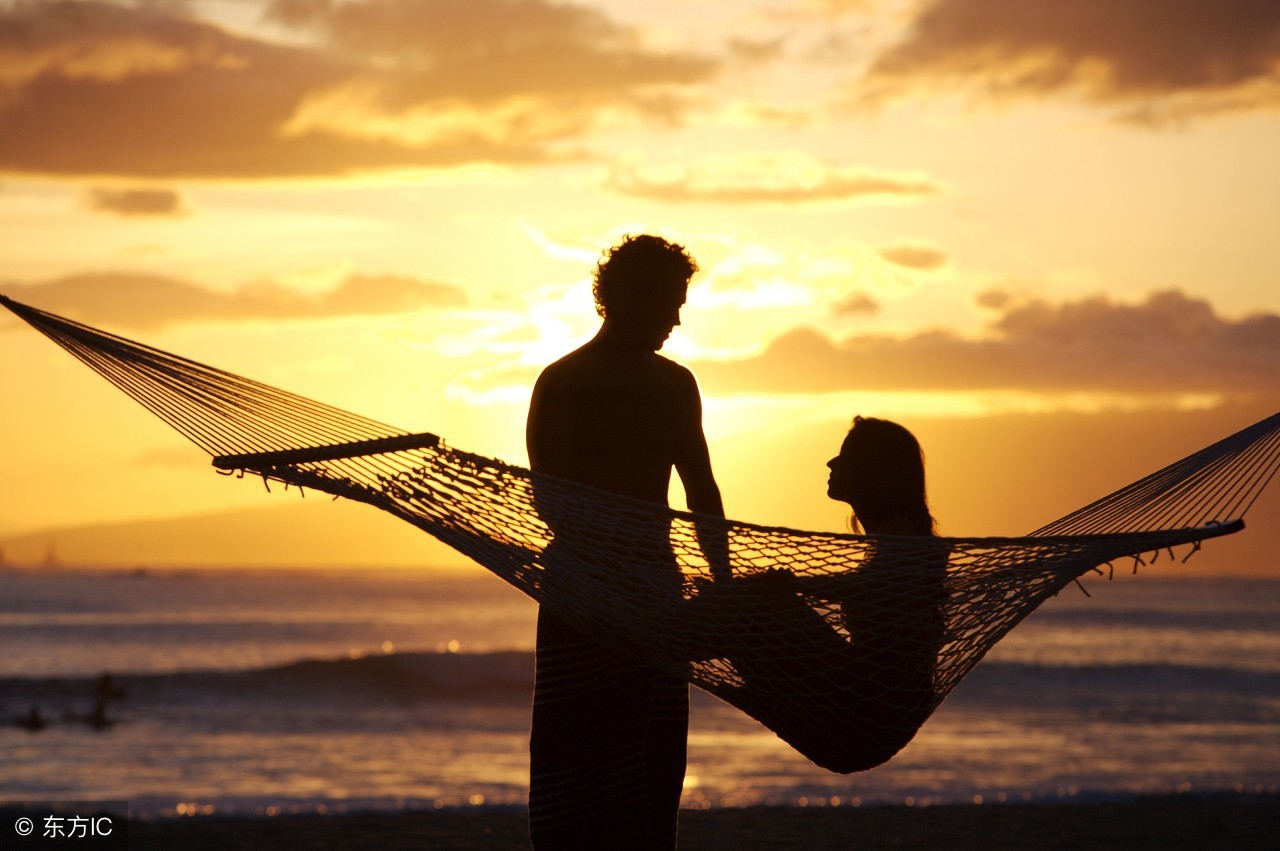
{"points": [[841, 644]]}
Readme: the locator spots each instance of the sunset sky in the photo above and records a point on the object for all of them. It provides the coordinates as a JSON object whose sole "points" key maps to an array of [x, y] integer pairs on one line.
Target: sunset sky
{"points": [[1039, 233]]}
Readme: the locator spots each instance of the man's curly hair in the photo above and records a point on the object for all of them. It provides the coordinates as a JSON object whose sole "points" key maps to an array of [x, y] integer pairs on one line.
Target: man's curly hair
{"points": [[634, 268]]}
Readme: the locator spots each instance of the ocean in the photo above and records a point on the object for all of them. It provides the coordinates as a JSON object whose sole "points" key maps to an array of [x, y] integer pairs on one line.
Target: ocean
{"points": [[246, 692]]}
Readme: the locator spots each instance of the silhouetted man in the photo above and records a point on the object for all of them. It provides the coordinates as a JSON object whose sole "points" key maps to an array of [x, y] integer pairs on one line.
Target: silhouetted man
{"points": [[607, 751]]}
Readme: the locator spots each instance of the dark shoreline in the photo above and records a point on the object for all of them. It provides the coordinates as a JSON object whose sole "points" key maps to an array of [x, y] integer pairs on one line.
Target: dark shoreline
{"points": [[1189, 821]]}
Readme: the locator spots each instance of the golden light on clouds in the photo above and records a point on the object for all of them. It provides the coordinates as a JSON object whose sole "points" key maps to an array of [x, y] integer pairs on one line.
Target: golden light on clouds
{"points": [[395, 205], [783, 177]]}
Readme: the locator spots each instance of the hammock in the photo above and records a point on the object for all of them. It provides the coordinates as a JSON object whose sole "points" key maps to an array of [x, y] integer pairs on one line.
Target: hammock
{"points": [[841, 644]]}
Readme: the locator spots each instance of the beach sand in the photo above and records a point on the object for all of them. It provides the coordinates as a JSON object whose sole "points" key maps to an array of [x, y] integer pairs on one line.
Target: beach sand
{"points": [[1176, 822]]}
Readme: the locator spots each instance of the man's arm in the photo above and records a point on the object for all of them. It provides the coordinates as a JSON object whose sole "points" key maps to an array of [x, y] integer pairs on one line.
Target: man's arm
{"points": [[539, 432], [702, 494], [534, 428]]}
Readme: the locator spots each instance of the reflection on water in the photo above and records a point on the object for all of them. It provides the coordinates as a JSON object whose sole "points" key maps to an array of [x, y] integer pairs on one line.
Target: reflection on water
{"points": [[1148, 686]]}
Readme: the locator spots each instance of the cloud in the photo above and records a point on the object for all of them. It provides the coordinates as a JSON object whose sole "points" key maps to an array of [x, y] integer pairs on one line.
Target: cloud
{"points": [[151, 301], [856, 304], [758, 51], [788, 177], [995, 299], [99, 89], [1153, 59], [1170, 343], [913, 254], [525, 69], [95, 88], [136, 202]]}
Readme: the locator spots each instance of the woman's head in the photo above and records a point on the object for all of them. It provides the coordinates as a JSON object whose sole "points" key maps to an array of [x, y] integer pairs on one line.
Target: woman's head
{"points": [[880, 473]]}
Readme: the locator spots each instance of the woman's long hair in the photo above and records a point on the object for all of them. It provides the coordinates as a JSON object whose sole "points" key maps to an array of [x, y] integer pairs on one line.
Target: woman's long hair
{"points": [[890, 476]]}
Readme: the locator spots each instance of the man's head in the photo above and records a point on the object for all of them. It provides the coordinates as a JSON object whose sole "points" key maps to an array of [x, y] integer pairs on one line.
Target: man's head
{"points": [[640, 285]]}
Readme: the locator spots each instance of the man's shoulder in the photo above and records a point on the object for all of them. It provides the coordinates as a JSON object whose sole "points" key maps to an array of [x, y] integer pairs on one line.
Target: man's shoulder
{"points": [[589, 361], [565, 367], [672, 370]]}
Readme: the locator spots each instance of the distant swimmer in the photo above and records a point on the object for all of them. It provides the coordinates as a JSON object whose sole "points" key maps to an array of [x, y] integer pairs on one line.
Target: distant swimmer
{"points": [[97, 718], [32, 721], [106, 689]]}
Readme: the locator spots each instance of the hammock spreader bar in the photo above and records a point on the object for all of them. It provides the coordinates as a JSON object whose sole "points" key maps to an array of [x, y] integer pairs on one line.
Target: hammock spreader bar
{"points": [[841, 644], [263, 461]]}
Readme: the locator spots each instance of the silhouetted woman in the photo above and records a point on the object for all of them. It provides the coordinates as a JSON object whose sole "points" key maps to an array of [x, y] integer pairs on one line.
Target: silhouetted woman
{"points": [[891, 605], [841, 664]]}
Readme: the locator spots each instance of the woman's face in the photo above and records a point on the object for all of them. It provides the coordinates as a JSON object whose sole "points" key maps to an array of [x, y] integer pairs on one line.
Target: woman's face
{"points": [[844, 473]]}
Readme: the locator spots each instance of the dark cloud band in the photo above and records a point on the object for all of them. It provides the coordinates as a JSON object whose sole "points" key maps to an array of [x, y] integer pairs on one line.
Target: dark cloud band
{"points": [[96, 88], [1170, 343], [1146, 56]]}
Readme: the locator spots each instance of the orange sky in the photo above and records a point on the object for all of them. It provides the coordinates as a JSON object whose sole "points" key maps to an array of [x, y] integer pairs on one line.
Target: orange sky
{"points": [[1039, 234]]}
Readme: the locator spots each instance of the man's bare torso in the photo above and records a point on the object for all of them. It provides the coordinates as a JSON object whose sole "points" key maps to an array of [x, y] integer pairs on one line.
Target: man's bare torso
{"points": [[618, 419]]}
